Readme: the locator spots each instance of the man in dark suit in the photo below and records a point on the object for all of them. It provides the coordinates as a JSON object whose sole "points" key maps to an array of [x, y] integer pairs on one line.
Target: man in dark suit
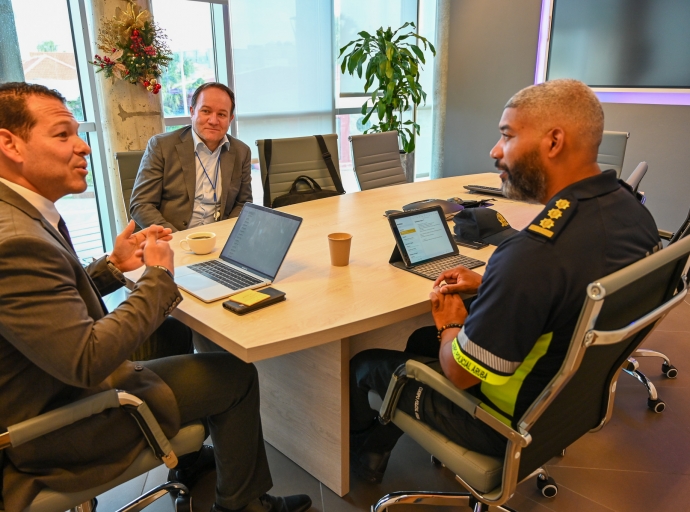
{"points": [[197, 174], [59, 344]]}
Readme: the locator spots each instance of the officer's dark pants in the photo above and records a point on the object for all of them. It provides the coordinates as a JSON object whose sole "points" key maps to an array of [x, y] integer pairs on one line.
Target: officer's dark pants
{"points": [[223, 390], [372, 370]]}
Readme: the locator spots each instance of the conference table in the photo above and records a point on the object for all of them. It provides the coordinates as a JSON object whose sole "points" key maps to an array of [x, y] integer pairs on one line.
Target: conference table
{"points": [[302, 346]]}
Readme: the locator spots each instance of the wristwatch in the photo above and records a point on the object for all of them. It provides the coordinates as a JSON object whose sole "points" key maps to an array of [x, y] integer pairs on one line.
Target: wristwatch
{"points": [[165, 269]]}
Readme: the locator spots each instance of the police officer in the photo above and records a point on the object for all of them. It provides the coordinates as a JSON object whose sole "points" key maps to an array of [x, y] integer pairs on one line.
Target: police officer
{"points": [[513, 340]]}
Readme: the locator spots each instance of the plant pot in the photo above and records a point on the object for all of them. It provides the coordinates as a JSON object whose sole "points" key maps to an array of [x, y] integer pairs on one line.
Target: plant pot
{"points": [[407, 162]]}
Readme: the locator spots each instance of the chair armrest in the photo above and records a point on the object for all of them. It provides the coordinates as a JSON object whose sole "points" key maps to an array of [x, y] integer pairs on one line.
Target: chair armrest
{"points": [[422, 373], [470, 404], [33, 428], [665, 235]]}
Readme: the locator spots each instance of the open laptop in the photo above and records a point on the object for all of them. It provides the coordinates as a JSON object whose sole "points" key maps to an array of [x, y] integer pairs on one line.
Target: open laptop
{"points": [[424, 245], [250, 258]]}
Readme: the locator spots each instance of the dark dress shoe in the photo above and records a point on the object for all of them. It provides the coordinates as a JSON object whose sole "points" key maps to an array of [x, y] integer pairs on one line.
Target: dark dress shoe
{"points": [[268, 503], [193, 466], [369, 466]]}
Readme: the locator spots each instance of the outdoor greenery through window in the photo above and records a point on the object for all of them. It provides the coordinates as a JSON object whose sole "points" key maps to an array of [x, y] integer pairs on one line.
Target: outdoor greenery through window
{"points": [[188, 25]]}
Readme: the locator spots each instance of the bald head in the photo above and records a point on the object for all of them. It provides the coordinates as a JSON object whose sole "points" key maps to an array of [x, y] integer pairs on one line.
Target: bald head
{"points": [[567, 103]]}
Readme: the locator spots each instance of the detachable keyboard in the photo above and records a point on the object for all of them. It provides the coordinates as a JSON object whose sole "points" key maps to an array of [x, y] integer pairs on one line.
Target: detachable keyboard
{"points": [[481, 189], [225, 274], [433, 269]]}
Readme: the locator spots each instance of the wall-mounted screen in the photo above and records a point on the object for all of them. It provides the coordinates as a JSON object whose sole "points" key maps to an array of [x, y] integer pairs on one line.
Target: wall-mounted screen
{"points": [[621, 43]]}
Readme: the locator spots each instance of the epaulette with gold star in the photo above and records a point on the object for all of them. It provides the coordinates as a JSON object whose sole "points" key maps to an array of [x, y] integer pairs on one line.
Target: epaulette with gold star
{"points": [[551, 221]]}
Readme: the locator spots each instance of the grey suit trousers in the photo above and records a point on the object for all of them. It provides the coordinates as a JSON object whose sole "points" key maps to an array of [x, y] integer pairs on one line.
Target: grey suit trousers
{"points": [[224, 391]]}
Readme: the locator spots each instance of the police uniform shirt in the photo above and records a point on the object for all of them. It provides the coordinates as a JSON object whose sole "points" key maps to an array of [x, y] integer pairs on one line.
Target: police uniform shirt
{"points": [[519, 327]]}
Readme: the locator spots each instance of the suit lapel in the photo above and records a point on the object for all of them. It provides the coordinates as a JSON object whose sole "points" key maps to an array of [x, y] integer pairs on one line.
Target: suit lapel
{"points": [[227, 166], [11, 197], [185, 151]]}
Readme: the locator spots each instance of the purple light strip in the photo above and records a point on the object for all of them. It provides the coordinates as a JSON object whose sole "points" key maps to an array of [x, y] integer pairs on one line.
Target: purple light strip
{"points": [[644, 97], [641, 97]]}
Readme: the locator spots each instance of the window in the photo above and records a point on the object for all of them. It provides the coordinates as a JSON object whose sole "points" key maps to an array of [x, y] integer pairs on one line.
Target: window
{"points": [[54, 52], [189, 27], [353, 16]]}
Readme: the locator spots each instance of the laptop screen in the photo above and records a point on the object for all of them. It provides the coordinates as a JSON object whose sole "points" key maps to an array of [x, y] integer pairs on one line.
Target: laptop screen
{"points": [[424, 235], [260, 240]]}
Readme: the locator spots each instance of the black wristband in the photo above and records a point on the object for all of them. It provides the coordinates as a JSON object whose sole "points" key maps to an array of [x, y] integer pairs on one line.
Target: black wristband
{"points": [[444, 327]]}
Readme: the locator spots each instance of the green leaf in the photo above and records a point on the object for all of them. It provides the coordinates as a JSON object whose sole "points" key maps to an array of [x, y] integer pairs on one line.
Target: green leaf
{"points": [[365, 35], [346, 47], [342, 66], [381, 109], [418, 52], [433, 50], [364, 108], [389, 69]]}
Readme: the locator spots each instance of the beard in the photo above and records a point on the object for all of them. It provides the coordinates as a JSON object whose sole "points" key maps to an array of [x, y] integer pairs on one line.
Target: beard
{"points": [[526, 179]]}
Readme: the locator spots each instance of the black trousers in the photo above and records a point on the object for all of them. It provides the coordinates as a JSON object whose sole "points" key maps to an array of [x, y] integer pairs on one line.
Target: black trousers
{"points": [[372, 370], [172, 338], [224, 391]]}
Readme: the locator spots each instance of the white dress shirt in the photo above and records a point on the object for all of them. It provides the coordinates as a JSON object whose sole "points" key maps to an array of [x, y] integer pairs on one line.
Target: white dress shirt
{"points": [[44, 206], [204, 205]]}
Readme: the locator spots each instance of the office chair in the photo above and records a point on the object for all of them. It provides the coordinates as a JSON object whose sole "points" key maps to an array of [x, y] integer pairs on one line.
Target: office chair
{"points": [[619, 312], [295, 157], [612, 151], [189, 439], [376, 159], [669, 371], [128, 166], [636, 176]]}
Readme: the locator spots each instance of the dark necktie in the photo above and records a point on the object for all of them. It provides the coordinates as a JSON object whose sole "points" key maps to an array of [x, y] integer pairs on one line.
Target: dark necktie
{"points": [[62, 228]]}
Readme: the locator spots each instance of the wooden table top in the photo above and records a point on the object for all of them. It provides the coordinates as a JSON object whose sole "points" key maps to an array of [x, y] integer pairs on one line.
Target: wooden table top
{"points": [[325, 303]]}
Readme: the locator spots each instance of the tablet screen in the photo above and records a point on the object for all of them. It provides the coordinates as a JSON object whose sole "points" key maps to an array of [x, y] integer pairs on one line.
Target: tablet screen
{"points": [[424, 235]]}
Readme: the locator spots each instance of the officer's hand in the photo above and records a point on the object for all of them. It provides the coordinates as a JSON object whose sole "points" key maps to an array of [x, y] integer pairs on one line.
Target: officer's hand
{"points": [[447, 308], [127, 243], [457, 280], [155, 251]]}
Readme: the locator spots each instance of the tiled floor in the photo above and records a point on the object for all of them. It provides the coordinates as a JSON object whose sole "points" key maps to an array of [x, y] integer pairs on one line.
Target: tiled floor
{"points": [[639, 462]]}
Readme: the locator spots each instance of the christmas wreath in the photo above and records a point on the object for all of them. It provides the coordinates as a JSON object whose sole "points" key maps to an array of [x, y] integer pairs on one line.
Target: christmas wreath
{"points": [[135, 48]]}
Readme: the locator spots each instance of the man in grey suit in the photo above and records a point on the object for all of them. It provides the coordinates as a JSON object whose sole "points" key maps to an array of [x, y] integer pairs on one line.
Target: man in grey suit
{"points": [[58, 343], [197, 174]]}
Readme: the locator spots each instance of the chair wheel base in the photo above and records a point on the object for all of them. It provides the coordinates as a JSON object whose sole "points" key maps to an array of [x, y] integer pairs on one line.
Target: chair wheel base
{"points": [[547, 486], [656, 406], [669, 371], [436, 462]]}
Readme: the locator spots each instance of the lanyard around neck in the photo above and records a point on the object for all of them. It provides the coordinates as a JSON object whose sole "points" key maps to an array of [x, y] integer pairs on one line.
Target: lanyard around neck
{"points": [[215, 181]]}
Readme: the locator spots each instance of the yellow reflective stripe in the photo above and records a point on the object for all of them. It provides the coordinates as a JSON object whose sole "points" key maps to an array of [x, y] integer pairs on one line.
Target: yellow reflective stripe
{"points": [[505, 396], [476, 369]]}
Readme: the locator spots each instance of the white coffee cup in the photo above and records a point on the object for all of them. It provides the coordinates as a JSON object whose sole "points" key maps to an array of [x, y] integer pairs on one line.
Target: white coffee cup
{"points": [[201, 242]]}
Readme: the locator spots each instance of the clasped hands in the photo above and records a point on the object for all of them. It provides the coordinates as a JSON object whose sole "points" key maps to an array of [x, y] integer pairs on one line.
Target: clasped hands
{"points": [[148, 246], [446, 303]]}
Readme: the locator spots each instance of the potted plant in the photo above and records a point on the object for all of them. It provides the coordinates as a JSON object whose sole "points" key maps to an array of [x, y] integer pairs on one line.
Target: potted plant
{"points": [[392, 67]]}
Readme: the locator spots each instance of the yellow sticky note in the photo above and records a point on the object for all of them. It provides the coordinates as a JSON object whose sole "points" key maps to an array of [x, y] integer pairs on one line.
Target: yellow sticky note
{"points": [[249, 297]]}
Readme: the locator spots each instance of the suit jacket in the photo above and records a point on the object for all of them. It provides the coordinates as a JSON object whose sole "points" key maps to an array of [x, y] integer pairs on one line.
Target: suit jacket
{"points": [[165, 185], [58, 344]]}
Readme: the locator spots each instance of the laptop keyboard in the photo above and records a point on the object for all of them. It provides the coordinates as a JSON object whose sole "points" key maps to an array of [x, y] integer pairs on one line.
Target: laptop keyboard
{"points": [[433, 269], [224, 274]]}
